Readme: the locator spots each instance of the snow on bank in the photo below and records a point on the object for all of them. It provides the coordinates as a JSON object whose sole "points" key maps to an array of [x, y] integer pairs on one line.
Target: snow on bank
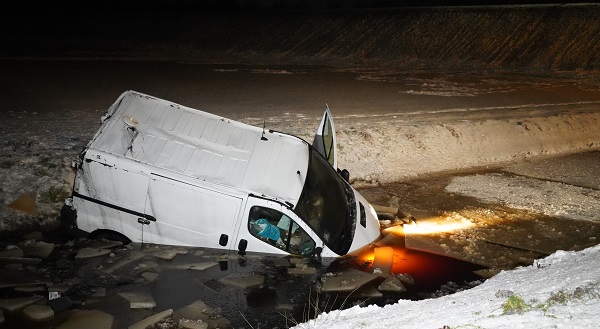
{"points": [[560, 291], [388, 149]]}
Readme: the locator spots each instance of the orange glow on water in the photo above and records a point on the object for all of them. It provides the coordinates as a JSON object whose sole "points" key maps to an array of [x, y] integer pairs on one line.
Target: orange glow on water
{"points": [[428, 270]]}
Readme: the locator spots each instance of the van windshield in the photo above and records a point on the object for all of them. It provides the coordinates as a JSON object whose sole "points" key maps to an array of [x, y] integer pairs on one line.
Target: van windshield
{"points": [[327, 205]]}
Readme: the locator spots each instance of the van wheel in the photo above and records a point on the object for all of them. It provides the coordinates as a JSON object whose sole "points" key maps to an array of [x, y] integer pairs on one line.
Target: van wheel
{"points": [[109, 235]]}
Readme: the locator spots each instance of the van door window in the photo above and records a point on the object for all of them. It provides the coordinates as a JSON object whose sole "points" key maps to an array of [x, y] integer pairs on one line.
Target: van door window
{"points": [[275, 228]]}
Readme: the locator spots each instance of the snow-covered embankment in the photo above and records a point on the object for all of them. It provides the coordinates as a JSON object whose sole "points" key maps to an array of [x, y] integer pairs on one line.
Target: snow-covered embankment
{"points": [[388, 149]]}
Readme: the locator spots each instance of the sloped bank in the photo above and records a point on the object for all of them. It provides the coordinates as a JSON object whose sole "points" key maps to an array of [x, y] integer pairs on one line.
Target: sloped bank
{"points": [[391, 150], [546, 37]]}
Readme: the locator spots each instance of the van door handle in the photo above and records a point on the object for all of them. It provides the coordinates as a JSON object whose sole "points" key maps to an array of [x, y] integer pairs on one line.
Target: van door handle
{"points": [[243, 245], [223, 240]]}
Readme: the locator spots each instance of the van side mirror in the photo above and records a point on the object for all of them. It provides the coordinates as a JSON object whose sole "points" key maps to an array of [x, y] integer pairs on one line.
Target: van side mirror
{"points": [[345, 174]]}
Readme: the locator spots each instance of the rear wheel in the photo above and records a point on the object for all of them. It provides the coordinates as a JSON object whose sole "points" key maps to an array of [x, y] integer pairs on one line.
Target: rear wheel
{"points": [[109, 235]]}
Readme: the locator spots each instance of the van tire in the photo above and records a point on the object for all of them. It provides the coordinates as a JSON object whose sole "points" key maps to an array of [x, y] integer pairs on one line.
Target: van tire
{"points": [[109, 235]]}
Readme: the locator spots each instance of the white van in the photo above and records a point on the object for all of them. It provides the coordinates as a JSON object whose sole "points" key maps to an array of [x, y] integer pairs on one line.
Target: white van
{"points": [[162, 173]]}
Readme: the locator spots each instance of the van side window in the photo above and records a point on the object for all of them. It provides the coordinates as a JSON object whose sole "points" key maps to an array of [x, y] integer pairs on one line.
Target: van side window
{"points": [[279, 230]]}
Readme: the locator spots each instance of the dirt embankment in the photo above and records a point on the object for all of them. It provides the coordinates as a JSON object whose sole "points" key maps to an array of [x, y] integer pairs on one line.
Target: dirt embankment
{"points": [[551, 37]]}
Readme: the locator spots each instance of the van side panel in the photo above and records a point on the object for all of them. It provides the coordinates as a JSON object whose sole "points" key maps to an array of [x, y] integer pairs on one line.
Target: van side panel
{"points": [[190, 215]]}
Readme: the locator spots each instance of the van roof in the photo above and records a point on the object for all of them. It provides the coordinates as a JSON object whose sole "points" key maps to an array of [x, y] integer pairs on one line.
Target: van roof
{"points": [[203, 146]]}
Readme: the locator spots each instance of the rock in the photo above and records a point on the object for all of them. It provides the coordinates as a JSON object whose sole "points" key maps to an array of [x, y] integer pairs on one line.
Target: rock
{"points": [[198, 253], [391, 284], [91, 252], [37, 249], [151, 320], [243, 280], [346, 281], [150, 276], [13, 304], [304, 270], [195, 266], [139, 299], [192, 324], [38, 312], [88, 319]]}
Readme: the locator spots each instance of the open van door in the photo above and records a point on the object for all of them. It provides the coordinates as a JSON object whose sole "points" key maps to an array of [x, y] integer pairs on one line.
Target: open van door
{"points": [[324, 141]]}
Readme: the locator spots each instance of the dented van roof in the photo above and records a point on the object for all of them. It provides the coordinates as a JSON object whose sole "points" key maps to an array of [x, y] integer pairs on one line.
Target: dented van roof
{"points": [[168, 136]]}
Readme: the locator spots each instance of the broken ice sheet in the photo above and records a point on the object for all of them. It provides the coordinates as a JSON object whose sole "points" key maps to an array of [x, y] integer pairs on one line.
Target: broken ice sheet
{"points": [[139, 299], [38, 312], [391, 284], [13, 304], [304, 270], [39, 249], [346, 281], [88, 319], [130, 257], [199, 311], [243, 280], [88, 252], [151, 320], [194, 266]]}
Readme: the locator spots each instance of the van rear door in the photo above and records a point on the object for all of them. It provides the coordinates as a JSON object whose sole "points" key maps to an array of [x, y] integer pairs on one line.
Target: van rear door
{"points": [[324, 141]]}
